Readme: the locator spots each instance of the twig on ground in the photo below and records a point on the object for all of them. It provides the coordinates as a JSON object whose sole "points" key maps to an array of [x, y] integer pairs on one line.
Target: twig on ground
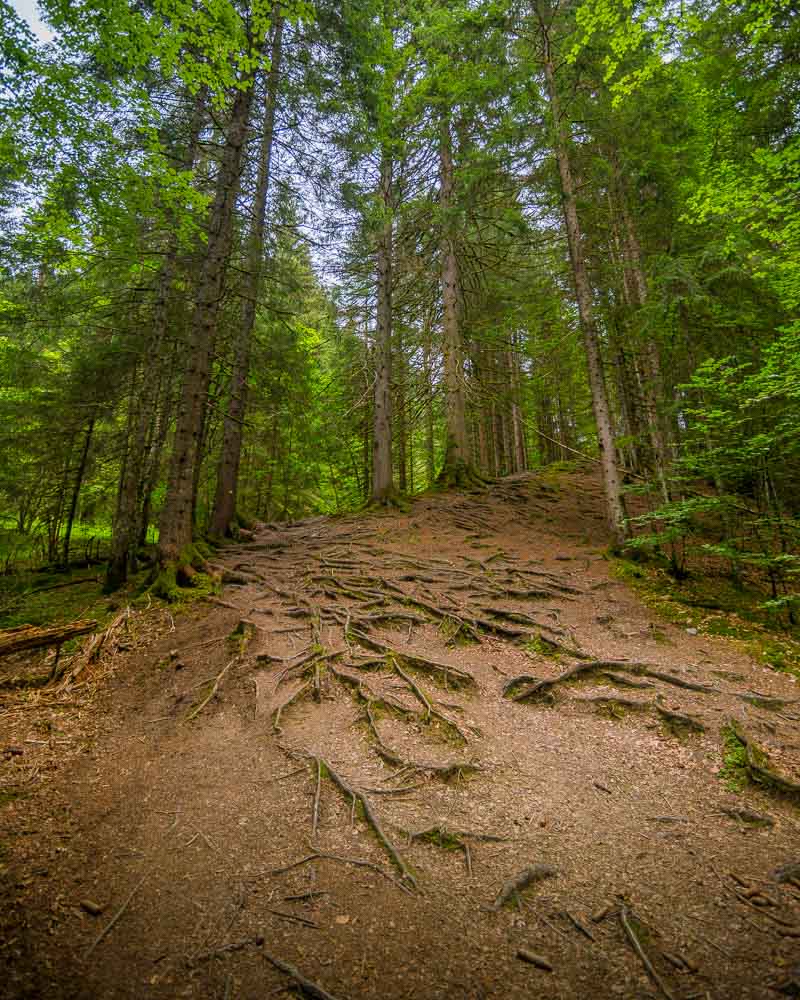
{"points": [[116, 916], [630, 933]]}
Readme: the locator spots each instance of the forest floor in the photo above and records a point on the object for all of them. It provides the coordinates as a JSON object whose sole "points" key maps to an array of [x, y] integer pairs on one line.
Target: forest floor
{"points": [[322, 768]]}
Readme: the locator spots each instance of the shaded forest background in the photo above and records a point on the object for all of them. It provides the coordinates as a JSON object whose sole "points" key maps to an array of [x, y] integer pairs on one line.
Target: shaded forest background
{"points": [[266, 260]]}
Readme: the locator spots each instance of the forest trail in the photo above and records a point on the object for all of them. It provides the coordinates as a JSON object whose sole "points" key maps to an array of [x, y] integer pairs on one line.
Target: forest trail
{"points": [[374, 664]]}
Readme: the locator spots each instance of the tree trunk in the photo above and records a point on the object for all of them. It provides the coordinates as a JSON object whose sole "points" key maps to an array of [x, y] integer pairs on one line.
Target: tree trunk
{"points": [[615, 507], [427, 365], [382, 482], [76, 489], [456, 459], [401, 429], [228, 468], [131, 517], [175, 526], [652, 383]]}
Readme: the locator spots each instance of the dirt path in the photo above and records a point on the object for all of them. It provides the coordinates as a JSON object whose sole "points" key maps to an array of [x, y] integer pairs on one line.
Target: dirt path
{"points": [[372, 663]]}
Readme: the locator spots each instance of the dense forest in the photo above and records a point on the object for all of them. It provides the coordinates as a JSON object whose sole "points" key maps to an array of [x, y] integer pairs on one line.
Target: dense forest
{"points": [[262, 260]]}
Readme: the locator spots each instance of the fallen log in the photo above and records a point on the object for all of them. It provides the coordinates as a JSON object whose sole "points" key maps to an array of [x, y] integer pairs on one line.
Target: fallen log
{"points": [[16, 640]]}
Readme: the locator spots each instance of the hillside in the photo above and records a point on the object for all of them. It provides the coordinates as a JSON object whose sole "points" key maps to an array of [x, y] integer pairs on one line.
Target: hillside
{"points": [[345, 762]]}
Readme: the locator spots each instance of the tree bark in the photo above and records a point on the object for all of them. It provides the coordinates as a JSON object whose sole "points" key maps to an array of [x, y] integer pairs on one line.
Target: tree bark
{"points": [[456, 459], [76, 489], [233, 429], [175, 526], [427, 365], [382, 481], [131, 517], [615, 507]]}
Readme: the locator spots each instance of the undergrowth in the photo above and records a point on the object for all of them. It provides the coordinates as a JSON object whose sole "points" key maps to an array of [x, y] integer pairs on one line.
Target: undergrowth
{"points": [[715, 606]]}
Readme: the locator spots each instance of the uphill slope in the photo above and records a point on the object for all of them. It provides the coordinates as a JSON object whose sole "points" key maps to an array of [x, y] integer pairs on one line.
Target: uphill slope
{"points": [[436, 754]]}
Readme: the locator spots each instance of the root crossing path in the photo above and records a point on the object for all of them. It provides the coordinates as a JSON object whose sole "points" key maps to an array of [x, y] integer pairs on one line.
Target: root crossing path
{"points": [[441, 754]]}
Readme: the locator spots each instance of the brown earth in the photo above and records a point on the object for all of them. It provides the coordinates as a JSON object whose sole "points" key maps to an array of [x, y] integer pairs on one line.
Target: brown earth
{"points": [[194, 836]]}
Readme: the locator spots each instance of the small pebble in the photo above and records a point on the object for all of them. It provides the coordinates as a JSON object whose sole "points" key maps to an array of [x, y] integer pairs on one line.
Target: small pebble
{"points": [[691, 631]]}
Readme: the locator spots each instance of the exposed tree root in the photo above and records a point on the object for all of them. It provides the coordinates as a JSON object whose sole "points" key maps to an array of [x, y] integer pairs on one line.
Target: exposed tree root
{"points": [[215, 682], [454, 676], [630, 933], [617, 707], [622, 681], [356, 862], [453, 840], [302, 674], [527, 877], [357, 796], [241, 636], [680, 723], [760, 767], [767, 702], [539, 688], [453, 770]]}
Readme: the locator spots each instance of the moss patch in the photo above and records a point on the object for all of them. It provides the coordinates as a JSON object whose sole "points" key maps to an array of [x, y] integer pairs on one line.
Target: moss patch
{"points": [[734, 773]]}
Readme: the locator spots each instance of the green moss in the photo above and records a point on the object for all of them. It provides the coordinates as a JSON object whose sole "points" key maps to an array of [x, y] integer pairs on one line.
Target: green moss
{"points": [[612, 709], [539, 647], [173, 584], [734, 773], [440, 836], [454, 633]]}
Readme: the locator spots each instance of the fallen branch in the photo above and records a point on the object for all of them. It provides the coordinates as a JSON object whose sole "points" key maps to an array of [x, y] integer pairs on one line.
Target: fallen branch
{"points": [[15, 640], [306, 986], [198, 708], [527, 877], [630, 933], [106, 930]]}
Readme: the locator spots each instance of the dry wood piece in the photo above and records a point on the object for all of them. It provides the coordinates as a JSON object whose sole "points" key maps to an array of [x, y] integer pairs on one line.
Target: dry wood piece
{"points": [[91, 652], [579, 925], [759, 765], [527, 877], [528, 956], [15, 640]]}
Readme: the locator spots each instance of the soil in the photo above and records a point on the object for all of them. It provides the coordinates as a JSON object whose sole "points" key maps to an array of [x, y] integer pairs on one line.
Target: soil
{"points": [[167, 832]]}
